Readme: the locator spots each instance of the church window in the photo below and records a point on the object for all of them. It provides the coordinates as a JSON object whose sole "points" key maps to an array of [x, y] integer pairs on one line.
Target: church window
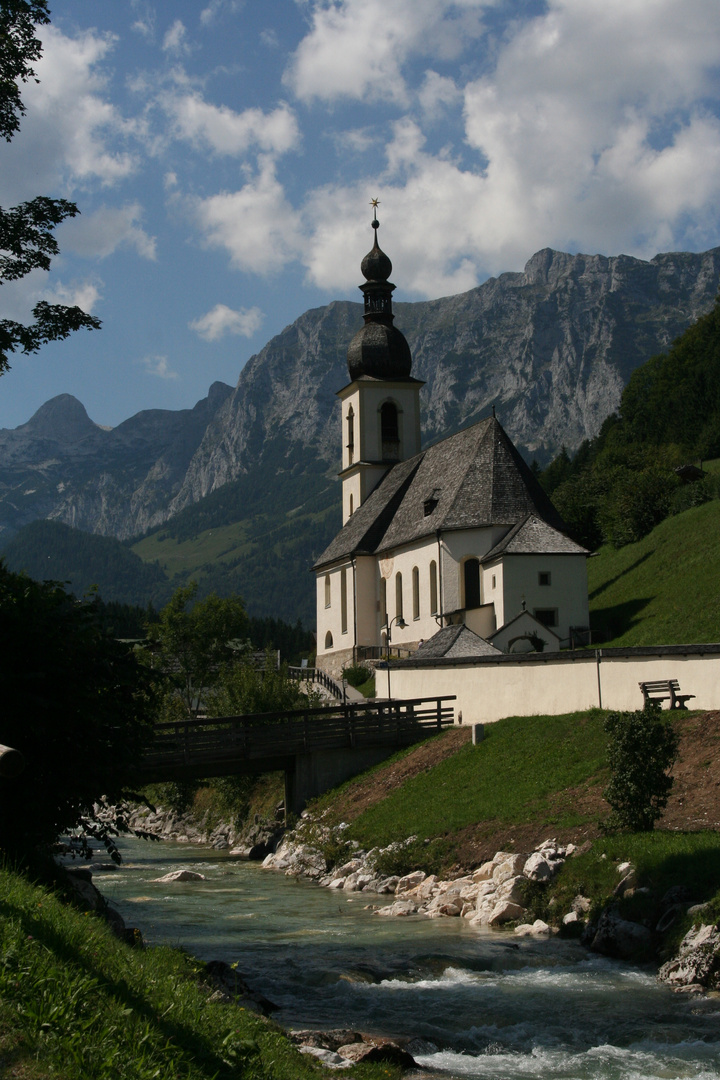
{"points": [[471, 574], [398, 596], [383, 602], [327, 590], [350, 435], [328, 640], [544, 577], [389, 432], [343, 601], [546, 616], [416, 592], [351, 505], [433, 588], [494, 581]]}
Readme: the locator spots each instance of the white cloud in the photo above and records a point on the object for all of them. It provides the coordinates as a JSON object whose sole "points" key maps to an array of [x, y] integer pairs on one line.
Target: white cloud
{"points": [[222, 320], [269, 38], [216, 8], [437, 93], [357, 48], [84, 295], [71, 134], [226, 132], [101, 233], [256, 225], [597, 130], [158, 366], [175, 40]]}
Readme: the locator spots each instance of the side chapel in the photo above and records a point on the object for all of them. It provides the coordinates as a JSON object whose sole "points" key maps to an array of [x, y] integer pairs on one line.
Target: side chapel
{"points": [[460, 533]]}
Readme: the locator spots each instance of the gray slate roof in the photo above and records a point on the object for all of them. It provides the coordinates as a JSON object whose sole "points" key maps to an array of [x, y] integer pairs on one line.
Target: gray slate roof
{"points": [[533, 536], [455, 641], [478, 479]]}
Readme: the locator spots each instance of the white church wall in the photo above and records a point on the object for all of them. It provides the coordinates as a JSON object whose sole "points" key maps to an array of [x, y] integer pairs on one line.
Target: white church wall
{"points": [[336, 617], [493, 591], [566, 593], [459, 546], [420, 555], [547, 684], [366, 600]]}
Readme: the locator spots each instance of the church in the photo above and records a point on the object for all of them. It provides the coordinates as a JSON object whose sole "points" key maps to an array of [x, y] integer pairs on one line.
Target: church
{"points": [[460, 534]]}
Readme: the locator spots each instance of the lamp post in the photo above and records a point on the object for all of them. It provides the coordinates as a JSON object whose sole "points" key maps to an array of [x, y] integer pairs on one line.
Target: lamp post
{"points": [[402, 624]]}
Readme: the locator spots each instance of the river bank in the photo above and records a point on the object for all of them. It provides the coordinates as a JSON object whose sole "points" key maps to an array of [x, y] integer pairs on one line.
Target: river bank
{"points": [[474, 1002]]}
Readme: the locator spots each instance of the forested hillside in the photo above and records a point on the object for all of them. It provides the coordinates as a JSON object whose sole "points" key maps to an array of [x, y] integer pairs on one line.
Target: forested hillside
{"points": [[622, 483]]}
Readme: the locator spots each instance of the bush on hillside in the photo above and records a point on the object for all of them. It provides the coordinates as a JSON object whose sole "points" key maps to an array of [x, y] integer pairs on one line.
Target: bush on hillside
{"points": [[641, 750]]}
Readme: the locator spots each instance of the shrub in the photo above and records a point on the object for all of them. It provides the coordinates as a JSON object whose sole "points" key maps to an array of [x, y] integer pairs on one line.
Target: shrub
{"points": [[357, 675], [641, 749]]}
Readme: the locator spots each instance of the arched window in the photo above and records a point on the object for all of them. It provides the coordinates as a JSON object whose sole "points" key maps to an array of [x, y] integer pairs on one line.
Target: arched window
{"points": [[398, 596], [389, 432], [350, 435], [433, 588], [471, 573], [383, 602], [343, 601], [416, 592], [327, 590], [328, 640], [351, 505]]}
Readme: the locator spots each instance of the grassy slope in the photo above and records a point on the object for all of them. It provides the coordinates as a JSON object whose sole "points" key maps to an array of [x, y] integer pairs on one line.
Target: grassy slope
{"points": [[664, 589], [512, 777], [530, 778], [78, 1004]]}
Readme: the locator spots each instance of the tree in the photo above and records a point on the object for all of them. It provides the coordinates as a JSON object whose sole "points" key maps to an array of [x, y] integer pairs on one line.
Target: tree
{"points": [[26, 231], [190, 644], [76, 703], [641, 750]]}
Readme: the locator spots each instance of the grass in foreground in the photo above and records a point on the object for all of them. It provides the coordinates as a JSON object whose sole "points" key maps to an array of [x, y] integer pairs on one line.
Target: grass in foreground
{"points": [[78, 1004], [655, 592], [513, 776]]}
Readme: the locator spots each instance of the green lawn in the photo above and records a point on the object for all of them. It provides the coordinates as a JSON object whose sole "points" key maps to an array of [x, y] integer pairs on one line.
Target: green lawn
{"points": [[665, 589], [512, 777]]}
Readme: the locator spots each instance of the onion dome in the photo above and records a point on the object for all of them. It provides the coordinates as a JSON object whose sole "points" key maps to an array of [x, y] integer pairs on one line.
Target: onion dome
{"points": [[378, 350]]}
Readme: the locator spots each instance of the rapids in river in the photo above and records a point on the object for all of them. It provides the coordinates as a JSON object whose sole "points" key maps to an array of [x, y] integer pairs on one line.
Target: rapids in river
{"points": [[479, 1004]]}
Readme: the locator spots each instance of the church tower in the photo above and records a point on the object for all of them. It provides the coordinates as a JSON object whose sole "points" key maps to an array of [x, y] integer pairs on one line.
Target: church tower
{"points": [[381, 404]]}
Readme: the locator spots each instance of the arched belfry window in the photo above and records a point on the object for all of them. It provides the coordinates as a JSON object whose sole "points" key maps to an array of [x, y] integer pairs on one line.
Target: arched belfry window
{"points": [[471, 572], [389, 432], [350, 435]]}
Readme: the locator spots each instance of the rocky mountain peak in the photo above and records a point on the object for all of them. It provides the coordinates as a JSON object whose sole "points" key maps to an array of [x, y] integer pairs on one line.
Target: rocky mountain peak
{"points": [[62, 418]]}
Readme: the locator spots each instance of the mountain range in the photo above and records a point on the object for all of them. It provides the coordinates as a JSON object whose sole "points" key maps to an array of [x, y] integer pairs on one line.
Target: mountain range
{"points": [[550, 348]]}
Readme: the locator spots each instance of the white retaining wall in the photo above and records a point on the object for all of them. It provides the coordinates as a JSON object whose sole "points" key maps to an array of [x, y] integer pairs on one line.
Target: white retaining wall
{"points": [[488, 688]]}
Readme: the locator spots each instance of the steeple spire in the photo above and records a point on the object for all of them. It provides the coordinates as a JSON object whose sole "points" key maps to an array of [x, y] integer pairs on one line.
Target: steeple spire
{"points": [[378, 350]]}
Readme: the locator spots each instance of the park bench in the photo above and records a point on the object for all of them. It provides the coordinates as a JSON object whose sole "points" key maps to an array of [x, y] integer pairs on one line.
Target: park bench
{"points": [[665, 690]]}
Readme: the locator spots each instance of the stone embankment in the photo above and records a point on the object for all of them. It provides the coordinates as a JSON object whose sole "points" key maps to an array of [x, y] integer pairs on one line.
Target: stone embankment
{"points": [[496, 895], [251, 841], [492, 896]]}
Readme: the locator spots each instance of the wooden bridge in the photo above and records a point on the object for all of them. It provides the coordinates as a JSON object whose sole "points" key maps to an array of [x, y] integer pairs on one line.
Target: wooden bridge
{"points": [[316, 748]]}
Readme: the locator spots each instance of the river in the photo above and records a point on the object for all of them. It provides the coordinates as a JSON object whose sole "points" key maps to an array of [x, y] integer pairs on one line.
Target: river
{"points": [[486, 1005]]}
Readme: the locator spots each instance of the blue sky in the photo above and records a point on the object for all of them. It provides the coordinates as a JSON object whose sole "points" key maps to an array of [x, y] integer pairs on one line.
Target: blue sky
{"points": [[224, 152]]}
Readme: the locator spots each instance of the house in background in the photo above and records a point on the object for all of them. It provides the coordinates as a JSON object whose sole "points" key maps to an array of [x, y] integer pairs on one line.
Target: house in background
{"points": [[460, 533]]}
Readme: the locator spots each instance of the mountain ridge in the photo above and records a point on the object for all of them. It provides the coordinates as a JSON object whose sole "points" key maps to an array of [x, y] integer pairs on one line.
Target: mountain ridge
{"points": [[551, 347]]}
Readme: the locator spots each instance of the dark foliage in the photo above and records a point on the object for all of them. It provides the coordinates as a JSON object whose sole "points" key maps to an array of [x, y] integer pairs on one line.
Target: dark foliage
{"points": [[77, 705], [50, 549], [621, 484], [642, 748]]}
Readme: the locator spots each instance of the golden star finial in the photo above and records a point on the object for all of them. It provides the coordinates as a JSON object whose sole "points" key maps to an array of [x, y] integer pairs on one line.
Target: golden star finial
{"points": [[375, 203]]}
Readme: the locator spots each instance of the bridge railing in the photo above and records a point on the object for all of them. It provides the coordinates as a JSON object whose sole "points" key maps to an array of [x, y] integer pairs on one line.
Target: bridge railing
{"points": [[280, 735], [319, 676]]}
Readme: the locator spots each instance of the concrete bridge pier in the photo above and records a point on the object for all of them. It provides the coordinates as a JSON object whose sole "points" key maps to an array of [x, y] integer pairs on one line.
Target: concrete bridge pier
{"points": [[314, 773]]}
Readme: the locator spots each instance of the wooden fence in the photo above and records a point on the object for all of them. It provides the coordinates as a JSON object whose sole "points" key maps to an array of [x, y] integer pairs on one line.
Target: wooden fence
{"points": [[271, 740]]}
